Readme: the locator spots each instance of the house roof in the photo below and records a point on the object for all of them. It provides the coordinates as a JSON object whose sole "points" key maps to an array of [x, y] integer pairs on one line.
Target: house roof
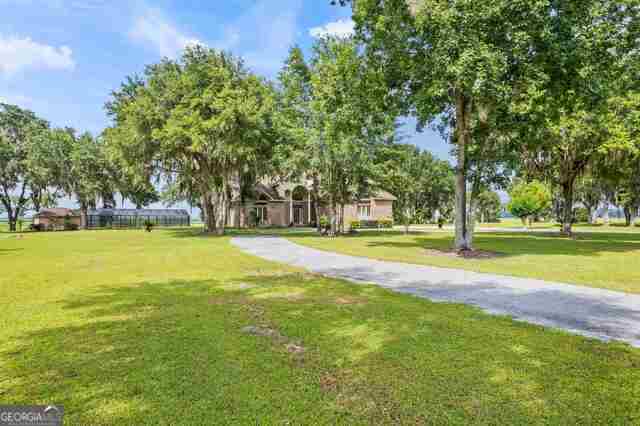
{"points": [[383, 195], [56, 212], [271, 193]]}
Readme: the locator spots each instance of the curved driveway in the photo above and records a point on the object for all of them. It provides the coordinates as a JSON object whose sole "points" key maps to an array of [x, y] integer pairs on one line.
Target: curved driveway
{"points": [[591, 312]]}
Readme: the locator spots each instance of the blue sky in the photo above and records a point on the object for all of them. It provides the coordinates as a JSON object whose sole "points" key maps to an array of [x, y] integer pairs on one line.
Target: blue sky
{"points": [[62, 58]]}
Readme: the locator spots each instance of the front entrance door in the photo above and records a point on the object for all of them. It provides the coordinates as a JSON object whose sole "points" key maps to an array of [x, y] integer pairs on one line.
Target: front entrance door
{"points": [[298, 215]]}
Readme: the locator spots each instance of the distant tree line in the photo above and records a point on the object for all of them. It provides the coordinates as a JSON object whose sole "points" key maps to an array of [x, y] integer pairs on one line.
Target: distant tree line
{"points": [[40, 164], [539, 98]]}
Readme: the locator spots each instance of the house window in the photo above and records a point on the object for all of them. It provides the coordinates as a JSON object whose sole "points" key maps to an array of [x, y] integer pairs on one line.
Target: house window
{"points": [[364, 211]]}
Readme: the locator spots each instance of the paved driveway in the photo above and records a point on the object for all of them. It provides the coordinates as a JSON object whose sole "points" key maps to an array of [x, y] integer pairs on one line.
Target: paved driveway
{"points": [[591, 312]]}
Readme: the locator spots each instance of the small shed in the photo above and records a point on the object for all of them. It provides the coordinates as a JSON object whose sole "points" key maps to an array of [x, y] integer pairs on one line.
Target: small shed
{"points": [[55, 219]]}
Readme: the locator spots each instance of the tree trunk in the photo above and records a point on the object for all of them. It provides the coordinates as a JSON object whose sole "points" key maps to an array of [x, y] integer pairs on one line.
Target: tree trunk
{"points": [[316, 197], [627, 216], [84, 216], [208, 211], [605, 213], [334, 216], [567, 213], [593, 217], [471, 215], [13, 220], [461, 229], [242, 219], [221, 209], [407, 215], [36, 199]]}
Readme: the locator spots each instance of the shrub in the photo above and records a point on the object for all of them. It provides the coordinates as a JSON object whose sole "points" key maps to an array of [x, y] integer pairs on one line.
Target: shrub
{"points": [[148, 225], [529, 199], [70, 226], [38, 227], [385, 223], [325, 225], [580, 215], [355, 224], [324, 222]]}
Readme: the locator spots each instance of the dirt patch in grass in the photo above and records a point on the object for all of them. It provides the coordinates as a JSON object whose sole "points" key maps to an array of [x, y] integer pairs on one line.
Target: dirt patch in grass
{"points": [[226, 300], [464, 254], [328, 383], [277, 337], [295, 349], [346, 300]]}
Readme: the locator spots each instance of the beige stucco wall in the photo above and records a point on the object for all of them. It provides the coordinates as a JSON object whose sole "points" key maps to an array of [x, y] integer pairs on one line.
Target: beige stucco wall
{"points": [[277, 214], [350, 213], [382, 209], [56, 222]]}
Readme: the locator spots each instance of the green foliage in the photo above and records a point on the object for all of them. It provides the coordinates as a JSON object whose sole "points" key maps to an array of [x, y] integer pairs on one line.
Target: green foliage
{"points": [[148, 225], [529, 199], [198, 122], [385, 222], [324, 222], [333, 113], [489, 206], [421, 183], [580, 215], [24, 171], [355, 224]]}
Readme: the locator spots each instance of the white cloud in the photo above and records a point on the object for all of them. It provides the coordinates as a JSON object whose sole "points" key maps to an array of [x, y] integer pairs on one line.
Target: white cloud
{"points": [[339, 28], [153, 29], [18, 54]]}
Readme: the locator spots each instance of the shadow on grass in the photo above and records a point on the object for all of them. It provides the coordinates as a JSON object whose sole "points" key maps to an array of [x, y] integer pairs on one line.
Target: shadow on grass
{"points": [[513, 244], [173, 353], [239, 232], [9, 251]]}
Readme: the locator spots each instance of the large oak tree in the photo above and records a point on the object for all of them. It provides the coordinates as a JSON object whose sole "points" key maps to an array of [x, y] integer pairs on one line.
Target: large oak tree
{"points": [[199, 122]]}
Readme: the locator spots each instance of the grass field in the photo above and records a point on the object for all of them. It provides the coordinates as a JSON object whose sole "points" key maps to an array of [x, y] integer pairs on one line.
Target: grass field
{"points": [[127, 327], [597, 259]]}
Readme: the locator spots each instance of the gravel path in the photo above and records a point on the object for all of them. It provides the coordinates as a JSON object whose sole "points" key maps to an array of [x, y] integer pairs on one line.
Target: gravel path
{"points": [[591, 312]]}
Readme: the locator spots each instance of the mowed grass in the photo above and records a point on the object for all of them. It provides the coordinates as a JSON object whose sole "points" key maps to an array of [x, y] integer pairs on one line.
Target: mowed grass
{"points": [[608, 260], [127, 327]]}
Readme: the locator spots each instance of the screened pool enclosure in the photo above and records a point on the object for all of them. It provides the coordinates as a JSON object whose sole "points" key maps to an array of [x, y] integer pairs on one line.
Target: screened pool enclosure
{"points": [[132, 218]]}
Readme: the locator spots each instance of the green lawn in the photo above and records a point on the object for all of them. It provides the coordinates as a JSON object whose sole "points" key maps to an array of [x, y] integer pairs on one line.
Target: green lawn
{"points": [[127, 327], [597, 259]]}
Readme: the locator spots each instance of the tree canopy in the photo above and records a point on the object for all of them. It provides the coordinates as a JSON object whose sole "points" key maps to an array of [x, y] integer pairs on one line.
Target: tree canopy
{"points": [[199, 122]]}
